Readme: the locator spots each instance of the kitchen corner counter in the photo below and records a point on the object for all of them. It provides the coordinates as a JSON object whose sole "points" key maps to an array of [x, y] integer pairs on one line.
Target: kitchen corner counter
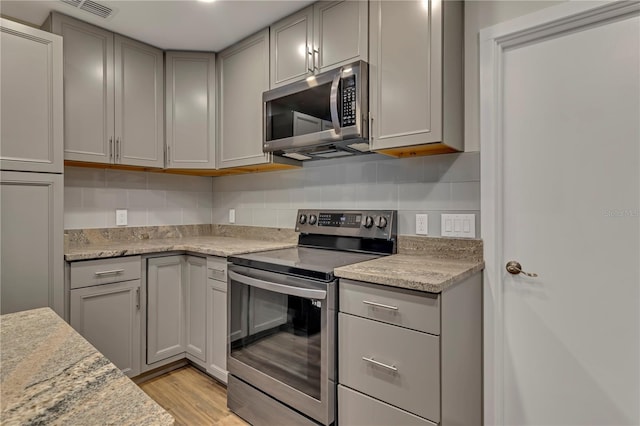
{"points": [[52, 375], [208, 245], [423, 263]]}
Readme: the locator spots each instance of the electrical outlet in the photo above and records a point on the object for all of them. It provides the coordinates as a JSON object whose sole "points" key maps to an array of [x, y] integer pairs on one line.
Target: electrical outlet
{"points": [[232, 215], [121, 217], [422, 224], [458, 225]]}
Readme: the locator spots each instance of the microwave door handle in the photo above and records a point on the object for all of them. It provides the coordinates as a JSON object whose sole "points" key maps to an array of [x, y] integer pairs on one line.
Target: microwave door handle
{"points": [[334, 102], [307, 293]]}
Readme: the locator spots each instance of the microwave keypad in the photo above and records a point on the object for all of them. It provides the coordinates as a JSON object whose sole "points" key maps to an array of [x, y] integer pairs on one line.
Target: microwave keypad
{"points": [[349, 101]]}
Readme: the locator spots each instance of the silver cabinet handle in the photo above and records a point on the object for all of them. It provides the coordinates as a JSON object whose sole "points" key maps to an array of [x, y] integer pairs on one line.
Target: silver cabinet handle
{"points": [[316, 58], [117, 149], [217, 270], [110, 148], [112, 272], [137, 298], [168, 154], [380, 305], [380, 364], [310, 59], [370, 126], [307, 293], [514, 267]]}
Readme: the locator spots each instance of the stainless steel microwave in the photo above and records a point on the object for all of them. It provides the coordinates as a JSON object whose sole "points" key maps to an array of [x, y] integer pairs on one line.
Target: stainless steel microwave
{"points": [[324, 116]]}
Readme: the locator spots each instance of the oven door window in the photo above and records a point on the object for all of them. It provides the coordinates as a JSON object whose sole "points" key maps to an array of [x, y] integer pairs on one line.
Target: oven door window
{"points": [[278, 335]]}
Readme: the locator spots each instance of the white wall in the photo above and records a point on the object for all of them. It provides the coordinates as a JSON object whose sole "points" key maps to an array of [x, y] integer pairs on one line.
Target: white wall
{"points": [[92, 195], [433, 185], [479, 15]]}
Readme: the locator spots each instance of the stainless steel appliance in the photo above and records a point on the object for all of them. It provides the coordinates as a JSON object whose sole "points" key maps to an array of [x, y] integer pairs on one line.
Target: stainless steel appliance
{"points": [[283, 315], [324, 116]]}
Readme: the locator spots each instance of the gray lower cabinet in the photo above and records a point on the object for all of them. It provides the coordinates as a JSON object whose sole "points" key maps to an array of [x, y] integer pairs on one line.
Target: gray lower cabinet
{"points": [[190, 110], [31, 87], [31, 216], [165, 308], [196, 306], [408, 357], [217, 318], [108, 316], [105, 306], [113, 96]]}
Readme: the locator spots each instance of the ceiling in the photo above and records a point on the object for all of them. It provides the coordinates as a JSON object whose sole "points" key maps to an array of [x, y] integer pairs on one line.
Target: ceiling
{"points": [[171, 24]]}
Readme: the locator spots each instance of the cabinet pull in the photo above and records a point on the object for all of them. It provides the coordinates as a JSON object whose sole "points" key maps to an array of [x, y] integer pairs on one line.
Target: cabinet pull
{"points": [[370, 126], [137, 298], [117, 149], [112, 272], [310, 64], [380, 364], [168, 155], [110, 148], [380, 305], [316, 58]]}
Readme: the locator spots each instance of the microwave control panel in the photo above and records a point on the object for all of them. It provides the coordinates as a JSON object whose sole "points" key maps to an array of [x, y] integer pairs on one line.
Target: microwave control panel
{"points": [[349, 101]]}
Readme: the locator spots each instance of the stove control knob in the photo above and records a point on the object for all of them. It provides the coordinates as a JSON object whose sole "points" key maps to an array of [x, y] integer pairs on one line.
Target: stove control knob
{"points": [[381, 222], [313, 219], [368, 222], [303, 219]]}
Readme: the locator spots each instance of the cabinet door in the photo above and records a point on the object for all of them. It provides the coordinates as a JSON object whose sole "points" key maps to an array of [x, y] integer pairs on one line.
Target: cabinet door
{"points": [[195, 280], [340, 33], [405, 77], [31, 110], [190, 111], [243, 74], [31, 269], [88, 90], [217, 329], [108, 316], [139, 104], [165, 308], [292, 48]]}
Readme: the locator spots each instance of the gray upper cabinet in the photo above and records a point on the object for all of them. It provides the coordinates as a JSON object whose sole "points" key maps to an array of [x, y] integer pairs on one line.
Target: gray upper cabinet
{"points": [[113, 96], [318, 38], [190, 110], [243, 74], [31, 86], [31, 241], [416, 76]]}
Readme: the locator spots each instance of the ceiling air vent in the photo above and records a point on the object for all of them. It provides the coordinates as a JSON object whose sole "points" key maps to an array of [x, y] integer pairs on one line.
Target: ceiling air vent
{"points": [[91, 7]]}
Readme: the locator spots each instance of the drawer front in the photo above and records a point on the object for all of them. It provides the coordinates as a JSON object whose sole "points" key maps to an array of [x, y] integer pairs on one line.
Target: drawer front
{"points": [[104, 271], [393, 364], [217, 269], [416, 310], [356, 409]]}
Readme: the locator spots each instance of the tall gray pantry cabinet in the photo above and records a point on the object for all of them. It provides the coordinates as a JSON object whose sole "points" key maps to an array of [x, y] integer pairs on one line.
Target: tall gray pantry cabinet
{"points": [[31, 166]]}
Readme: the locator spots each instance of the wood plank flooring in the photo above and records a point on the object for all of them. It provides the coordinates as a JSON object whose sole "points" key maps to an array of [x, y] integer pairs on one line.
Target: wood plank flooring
{"points": [[192, 398]]}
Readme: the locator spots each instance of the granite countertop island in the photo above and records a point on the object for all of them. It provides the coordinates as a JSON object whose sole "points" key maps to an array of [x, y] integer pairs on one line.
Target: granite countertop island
{"points": [[422, 263], [52, 375]]}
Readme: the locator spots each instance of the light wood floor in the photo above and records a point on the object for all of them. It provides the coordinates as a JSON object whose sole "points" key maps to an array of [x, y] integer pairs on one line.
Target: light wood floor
{"points": [[192, 398]]}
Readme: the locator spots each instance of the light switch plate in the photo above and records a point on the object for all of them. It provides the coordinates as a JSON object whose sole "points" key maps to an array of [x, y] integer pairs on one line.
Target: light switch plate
{"points": [[121, 217], [458, 225], [232, 215], [422, 224]]}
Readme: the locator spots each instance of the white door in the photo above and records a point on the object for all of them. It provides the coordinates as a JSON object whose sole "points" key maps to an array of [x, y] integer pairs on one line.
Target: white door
{"points": [[561, 195]]}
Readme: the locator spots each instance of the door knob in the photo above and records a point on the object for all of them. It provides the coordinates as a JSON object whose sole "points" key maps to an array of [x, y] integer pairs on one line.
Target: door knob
{"points": [[514, 267]]}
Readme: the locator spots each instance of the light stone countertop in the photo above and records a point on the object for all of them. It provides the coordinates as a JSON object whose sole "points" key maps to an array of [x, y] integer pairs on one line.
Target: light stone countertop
{"points": [[412, 271], [209, 245], [52, 375]]}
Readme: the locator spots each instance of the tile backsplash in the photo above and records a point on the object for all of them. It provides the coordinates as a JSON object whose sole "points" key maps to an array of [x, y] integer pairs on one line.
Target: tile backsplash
{"points": [[434, 185], [92, 195]]}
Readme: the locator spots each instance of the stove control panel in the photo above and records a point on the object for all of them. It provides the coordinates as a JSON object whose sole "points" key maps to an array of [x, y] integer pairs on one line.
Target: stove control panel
{"points": [[348, 223]]}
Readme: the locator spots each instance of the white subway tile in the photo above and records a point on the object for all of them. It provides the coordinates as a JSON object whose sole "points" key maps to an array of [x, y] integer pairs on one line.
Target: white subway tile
{"points": [[424, 196], [196, 216], [205, 199], [244, 216], [251, 199], [104, 198], [144, 198], [465, 196], [361, 172], [463, 167], [72, 198], [182, 199], [338, 196], [265, 217], [85, 218], [135, 217], [84, 177], [164, 216], [277, 199], [220, 216], [377, 196], [312, 198], [287, 218], [126, 179]]}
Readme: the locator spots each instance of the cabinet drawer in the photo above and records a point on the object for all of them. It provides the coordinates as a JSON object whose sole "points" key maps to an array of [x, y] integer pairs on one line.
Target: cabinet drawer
{"points": [[394, 364], [356, 409], [103, 271], [217, 269], [416, 310]]}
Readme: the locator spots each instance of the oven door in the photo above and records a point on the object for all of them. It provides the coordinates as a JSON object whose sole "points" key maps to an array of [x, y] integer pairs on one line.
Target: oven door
{"points": [[282, 333]]}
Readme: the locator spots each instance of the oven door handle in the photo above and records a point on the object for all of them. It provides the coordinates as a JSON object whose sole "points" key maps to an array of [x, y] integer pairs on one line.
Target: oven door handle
{"points": [[307, 293]]}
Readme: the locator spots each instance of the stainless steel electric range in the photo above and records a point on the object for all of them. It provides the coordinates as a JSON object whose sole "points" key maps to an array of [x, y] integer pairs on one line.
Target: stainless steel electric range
{"points": [[283, 316]]}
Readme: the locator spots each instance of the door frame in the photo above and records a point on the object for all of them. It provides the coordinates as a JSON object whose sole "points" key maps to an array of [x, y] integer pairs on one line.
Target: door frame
{"points": [[546, 23]]}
